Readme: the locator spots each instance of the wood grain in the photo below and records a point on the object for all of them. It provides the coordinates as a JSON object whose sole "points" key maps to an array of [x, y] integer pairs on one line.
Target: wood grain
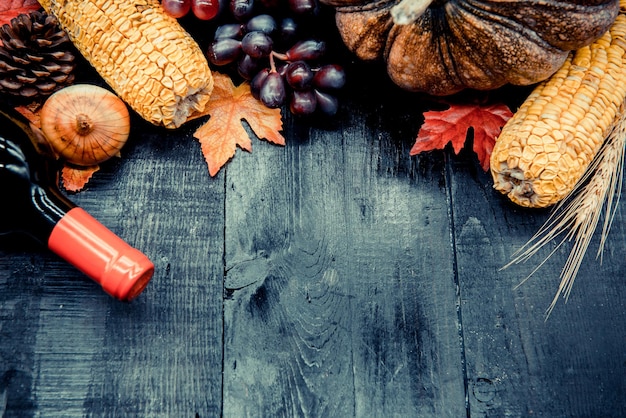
{"points": [[518, 363], [341, 300]]}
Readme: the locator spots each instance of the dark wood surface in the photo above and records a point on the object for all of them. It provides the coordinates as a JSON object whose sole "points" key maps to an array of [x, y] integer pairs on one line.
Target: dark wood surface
{"points": [[334, 277]]}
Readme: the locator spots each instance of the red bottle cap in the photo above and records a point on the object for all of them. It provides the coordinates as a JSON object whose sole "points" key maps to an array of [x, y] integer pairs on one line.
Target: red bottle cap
{"points": [[121, 270]]}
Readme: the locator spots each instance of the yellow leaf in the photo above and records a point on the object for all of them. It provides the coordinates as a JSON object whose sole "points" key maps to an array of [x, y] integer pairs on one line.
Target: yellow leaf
{"points": [[229, 106]]}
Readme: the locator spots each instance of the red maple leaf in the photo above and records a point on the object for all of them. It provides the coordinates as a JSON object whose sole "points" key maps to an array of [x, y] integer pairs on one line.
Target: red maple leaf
{"points": [[11, 8], [452, 125]]}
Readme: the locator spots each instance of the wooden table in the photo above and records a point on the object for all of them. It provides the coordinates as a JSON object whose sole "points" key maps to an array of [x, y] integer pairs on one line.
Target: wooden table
{"points": [[334, 277]]}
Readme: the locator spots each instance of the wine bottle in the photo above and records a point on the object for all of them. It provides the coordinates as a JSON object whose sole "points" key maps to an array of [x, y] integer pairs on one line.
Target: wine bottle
{"points": [[32, 203]]}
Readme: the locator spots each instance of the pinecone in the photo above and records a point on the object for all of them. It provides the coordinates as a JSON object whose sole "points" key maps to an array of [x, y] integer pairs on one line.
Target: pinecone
{"points": [[36, 56]]}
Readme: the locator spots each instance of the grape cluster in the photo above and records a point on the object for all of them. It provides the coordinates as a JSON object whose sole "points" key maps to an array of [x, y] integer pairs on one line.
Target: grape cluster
{"points": [[202, 9], [240, 9], [295, 77], [243, 10]]}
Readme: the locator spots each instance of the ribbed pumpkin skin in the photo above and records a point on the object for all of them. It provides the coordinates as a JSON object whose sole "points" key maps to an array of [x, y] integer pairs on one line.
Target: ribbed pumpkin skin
{"points": [[470, 43]]}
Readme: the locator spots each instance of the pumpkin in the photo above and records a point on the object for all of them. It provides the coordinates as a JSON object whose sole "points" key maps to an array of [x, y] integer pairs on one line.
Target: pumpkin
{"points": [[441, 47]]}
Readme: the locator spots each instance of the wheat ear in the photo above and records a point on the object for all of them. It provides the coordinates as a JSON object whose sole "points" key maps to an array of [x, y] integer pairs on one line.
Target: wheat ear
{"points": [[577, 217]]}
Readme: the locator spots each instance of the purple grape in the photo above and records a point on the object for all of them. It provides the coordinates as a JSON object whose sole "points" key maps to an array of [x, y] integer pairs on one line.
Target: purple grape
{"points": [[257, 44], [241, 9], [257, 82], [288, 31], [281, 67], [303, 102], [306, 50], [270, 4], [304, 7], [254, 46], [299, 75], [326, 103], [247, 67], [224, 51], [229, 30], [330, 77], [273, 93], [262, 23]]}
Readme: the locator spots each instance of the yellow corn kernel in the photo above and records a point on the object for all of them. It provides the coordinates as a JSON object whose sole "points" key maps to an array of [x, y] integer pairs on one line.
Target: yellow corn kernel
{"points": [[149, 60], [578, 117]]}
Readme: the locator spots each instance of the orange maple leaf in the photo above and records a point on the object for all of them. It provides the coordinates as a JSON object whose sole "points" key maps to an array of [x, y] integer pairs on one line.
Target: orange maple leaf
{"points": [[75, 178], [229, 106], [451, 126]]}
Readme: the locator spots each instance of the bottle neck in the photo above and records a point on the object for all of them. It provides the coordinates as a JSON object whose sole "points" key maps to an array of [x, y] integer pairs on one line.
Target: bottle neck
{"points": [[47, 208], [31, 200], [29, 205], [121, 270]]}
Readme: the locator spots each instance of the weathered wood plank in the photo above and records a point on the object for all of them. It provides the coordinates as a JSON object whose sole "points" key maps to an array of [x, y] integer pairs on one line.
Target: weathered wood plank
{"points": [[20, 273], [83, 353], [341, 299], [573, 364]]}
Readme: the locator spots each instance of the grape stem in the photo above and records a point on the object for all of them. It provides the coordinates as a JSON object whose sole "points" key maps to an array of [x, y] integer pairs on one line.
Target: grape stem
{"points": [[408, 11], [278, 55]]}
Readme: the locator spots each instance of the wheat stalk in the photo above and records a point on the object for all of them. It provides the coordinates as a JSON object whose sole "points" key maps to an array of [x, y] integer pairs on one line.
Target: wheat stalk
{"points": [[576, 217]]}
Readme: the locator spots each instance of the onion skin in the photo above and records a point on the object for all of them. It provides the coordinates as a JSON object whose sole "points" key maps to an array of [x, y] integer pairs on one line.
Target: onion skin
{"points": [[85, 124]]}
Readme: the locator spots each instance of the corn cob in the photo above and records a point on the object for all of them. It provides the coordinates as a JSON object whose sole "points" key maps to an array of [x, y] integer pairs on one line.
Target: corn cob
{"points": [[545, 148], [144, 55]]}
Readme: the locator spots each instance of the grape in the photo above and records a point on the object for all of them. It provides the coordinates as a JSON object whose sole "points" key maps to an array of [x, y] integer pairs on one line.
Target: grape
{"points": [[299, 75], [303, 7], [257, 82], [176, 8], [262, 23], [224, 51], [331, 76], [271, 4], [303, 102], [247, 66], [241, 9], [265, 50], [257, 44], [281, 68], [326, 103], [306, 50], [273, 92], [205, 9], [229, 30], [288, 30]]}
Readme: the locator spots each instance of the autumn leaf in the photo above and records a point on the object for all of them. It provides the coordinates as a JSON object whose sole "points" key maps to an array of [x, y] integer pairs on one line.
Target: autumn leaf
{"points": [[451, 126], [11, 8], [76, 178], [229, 106], [30, 113]]}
